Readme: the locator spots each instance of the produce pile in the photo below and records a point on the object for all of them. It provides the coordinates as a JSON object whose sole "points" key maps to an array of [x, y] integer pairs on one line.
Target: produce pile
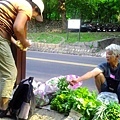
{"points": [[84, 102]]}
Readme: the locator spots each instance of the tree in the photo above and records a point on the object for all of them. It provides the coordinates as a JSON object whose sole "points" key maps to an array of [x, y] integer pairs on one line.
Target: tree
{"points": [[86, 10], [63, 13]]}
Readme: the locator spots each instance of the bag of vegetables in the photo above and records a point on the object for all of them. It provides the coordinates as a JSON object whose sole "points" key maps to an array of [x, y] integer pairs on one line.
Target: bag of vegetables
{"points": [[107, 97]]}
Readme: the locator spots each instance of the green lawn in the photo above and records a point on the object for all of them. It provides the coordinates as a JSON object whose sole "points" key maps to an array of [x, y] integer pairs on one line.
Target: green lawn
{"points": [[73, 37]]}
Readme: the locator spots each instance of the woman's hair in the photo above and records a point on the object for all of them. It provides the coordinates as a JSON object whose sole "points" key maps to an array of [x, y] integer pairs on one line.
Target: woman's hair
{"points": [[34, 5], [114, 48]]}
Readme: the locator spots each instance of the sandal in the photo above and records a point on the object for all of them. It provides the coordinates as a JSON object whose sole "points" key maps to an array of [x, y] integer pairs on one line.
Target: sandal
{"points": [[3, 113], [11, 115]]}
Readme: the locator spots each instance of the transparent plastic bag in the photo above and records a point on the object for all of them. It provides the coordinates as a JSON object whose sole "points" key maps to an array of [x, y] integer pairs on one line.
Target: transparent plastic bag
{"points": [[107, 97]]}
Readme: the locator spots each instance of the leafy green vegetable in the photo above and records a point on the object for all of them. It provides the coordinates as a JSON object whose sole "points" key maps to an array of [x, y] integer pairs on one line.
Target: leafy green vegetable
{"points": [[62, 101], [63, 84], [83, 101], [110, 111]]}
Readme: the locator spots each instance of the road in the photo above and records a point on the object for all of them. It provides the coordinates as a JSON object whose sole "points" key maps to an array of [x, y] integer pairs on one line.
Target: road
{"points": [[43, 66]]}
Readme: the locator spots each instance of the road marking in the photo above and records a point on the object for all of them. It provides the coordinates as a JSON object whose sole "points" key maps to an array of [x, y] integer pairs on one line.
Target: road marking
{"points": [[63, 62]]}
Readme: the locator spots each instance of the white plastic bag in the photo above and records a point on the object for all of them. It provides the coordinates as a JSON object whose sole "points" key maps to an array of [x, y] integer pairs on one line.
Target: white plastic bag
{"points": [[51, 84], [44, 91], [106, 97], [40, 95]]}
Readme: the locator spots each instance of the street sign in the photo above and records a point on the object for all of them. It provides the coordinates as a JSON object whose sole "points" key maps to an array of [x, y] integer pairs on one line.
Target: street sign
{"points": [[73, 24]]}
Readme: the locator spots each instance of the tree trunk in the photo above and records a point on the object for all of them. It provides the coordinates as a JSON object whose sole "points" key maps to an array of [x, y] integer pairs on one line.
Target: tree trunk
{"points": [[63, 14]]}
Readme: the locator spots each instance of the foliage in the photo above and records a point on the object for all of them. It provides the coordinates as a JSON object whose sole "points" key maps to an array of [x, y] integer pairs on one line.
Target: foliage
{"points": [[63, 84], [79, 99], [110, 111], [84, 102], [62, 102], [90, 10]]}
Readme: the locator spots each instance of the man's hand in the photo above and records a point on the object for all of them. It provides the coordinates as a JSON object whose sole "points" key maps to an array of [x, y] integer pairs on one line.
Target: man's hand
{"points": [[73, 82]]}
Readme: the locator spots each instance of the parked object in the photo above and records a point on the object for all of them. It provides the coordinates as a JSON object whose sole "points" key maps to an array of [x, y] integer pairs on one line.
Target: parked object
{"points": [[85, 27]]}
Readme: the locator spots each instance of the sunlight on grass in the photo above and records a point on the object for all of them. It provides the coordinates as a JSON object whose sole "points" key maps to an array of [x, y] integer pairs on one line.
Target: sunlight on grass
{"points": [[73, 37]]}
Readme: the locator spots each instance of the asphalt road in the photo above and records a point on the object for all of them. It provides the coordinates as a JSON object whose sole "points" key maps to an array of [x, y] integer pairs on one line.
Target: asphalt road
{"points": [[43, 66]]}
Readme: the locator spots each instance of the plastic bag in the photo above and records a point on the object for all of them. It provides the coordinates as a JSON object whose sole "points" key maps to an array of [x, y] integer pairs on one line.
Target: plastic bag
{"points": [[107, 97], [71, 77], [44, 92], [51, 84], [40, 95]]}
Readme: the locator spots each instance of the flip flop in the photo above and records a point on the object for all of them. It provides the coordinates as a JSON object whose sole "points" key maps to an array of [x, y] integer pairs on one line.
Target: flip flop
{"points": [[3, 113]]}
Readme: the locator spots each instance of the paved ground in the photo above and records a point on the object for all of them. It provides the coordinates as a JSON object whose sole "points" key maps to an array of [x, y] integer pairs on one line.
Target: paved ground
{"points": [[44, 114]]}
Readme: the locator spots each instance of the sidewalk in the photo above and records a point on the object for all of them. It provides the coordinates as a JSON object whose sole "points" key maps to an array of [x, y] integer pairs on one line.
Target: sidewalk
{"points": [[44, 114]]}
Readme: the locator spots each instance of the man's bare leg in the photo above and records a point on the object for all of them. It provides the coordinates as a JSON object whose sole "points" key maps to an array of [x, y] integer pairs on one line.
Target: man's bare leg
{"points": [[99, 80]]}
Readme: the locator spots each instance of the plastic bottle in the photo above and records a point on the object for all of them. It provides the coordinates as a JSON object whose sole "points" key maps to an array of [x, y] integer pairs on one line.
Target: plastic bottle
{"points": [[24, 111]]}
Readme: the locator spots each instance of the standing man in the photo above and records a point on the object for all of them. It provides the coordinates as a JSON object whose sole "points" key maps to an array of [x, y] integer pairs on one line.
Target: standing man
{"points": [[106, 74], [14, 15]]}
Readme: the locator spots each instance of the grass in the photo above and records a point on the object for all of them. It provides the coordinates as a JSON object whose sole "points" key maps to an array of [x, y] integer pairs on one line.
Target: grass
{"points": [[73, 37]]}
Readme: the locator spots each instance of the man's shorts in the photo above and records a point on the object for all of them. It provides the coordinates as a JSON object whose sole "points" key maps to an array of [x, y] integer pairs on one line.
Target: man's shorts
{"points": [[8, 70]]}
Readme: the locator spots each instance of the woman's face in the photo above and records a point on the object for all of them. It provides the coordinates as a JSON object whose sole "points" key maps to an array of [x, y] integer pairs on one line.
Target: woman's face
{"points": [[110, 56], [36, 15]]}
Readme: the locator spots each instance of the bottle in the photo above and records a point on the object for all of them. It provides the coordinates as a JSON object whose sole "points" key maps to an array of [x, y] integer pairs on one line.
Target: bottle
{"points": [[24, 111]]}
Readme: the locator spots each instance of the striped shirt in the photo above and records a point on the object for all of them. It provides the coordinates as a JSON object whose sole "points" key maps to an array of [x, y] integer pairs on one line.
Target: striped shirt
{"points": [[9, 10]]}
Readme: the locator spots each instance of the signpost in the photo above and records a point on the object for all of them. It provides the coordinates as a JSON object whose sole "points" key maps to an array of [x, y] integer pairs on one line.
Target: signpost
{"points": [[73, 24]]}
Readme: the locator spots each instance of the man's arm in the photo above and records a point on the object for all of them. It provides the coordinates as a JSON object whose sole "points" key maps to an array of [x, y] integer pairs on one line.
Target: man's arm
{"points": [[89, 74]]}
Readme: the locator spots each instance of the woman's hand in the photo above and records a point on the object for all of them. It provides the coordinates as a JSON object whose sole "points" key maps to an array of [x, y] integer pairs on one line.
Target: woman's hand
{"points": [[27, 43], [24, 46]]}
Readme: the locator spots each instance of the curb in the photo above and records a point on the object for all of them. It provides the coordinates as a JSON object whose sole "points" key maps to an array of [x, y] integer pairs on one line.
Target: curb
{"points": [[79, 49], [95, 48]]}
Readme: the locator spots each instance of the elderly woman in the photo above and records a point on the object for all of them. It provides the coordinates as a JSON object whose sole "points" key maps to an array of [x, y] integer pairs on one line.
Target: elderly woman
{"points": [[107, 74]]}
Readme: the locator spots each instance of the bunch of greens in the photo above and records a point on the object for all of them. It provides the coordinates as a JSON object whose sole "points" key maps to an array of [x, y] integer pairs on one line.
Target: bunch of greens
{"points": [[109, 111], [62, 102], [84, 102], [63, 84], [79, 99]]}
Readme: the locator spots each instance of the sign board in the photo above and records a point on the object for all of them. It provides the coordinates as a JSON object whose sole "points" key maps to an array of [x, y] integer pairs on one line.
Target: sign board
{"points": [[74, 24]]}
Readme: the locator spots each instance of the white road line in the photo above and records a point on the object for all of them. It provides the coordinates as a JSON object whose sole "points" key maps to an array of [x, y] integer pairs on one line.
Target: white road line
{"points": [[63, 62]]}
